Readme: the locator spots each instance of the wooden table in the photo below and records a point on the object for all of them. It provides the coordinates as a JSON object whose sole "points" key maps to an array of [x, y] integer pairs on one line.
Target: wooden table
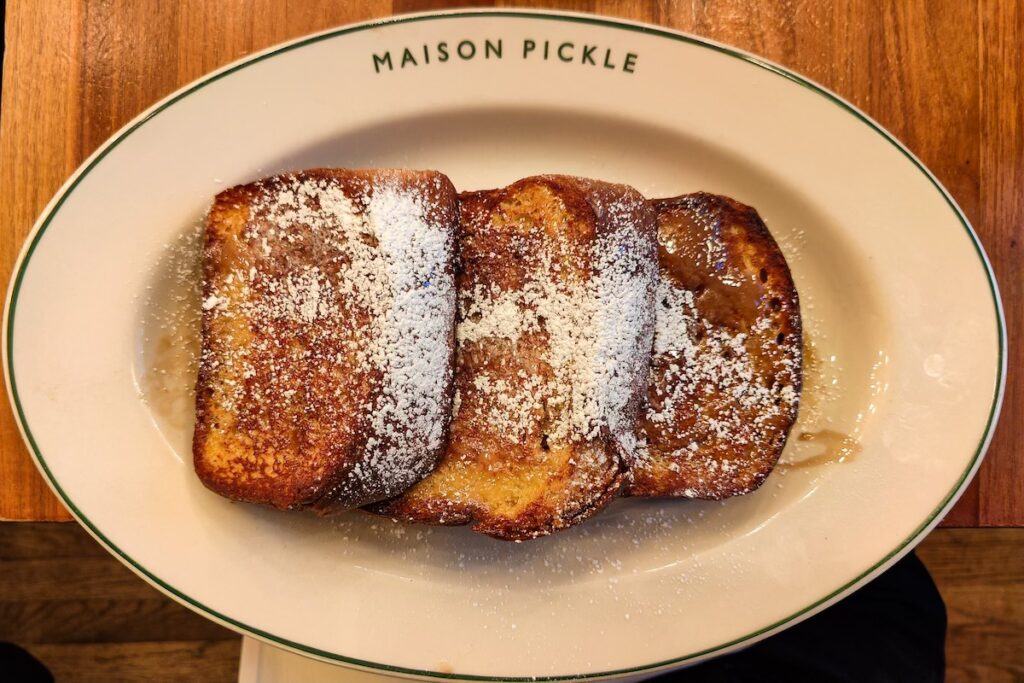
{"points": [[945, 76]]}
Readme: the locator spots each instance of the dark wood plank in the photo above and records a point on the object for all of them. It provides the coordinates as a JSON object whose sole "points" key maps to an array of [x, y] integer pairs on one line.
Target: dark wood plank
{"points": [[86, 577], [980, 573], [973, 673], [89, 622], [57, 585], [77, 619], [169, 661], [993, 558], [42, 541]]}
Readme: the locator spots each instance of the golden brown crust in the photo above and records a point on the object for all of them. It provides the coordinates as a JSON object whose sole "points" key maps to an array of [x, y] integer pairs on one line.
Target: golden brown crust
{"points": [[726, 373], [512, 469], [291, 384]]}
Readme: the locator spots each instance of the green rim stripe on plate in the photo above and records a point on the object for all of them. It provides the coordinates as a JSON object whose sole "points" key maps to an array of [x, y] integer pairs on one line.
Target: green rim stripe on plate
{"points": [[902, 548]]}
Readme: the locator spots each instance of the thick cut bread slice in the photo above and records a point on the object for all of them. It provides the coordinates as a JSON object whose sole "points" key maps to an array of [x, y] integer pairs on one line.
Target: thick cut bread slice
{"points": [[556, 291], [325, 377], [726, 373]]}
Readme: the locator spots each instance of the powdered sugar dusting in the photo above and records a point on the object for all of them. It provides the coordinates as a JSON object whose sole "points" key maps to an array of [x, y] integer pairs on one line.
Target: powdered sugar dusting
{"points": [[627, 277], [556, 283], [718, 363], [335, 314], [723, 385], [555, 309], [413, 349], [598, 329]]}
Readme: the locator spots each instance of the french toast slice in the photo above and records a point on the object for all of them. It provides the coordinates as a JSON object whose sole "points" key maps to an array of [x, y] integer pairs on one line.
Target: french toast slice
{"points": [[727, 367], [556, 285], [325, 377]]}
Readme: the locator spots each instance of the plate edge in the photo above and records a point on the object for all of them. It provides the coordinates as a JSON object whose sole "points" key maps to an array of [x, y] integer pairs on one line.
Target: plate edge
{"points": [[34, 235]]}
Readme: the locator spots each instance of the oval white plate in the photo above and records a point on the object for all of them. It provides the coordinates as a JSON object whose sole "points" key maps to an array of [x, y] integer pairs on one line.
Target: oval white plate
{"points": [[905, 338]]}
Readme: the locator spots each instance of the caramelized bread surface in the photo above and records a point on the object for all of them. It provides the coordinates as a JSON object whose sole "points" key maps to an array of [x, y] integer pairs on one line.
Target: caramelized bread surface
{"points": [[328, 337], [726, 372], [555, 285]]}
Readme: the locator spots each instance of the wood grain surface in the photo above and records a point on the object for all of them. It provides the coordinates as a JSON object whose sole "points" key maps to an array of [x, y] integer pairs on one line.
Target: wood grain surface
{"points": [[943, 75], [88, 618]]}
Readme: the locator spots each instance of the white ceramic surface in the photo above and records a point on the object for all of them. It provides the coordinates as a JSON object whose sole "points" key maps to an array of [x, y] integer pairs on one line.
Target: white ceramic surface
{"points": [[263, 663], [903, 321]]}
